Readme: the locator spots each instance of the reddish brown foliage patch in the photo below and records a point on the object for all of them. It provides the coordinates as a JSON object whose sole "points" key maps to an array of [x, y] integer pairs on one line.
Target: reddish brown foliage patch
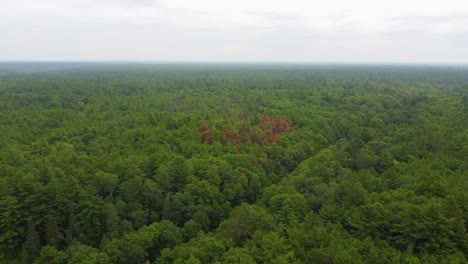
{"points": [[266, 130], [206, 134], [203, 127], [230, 136]]}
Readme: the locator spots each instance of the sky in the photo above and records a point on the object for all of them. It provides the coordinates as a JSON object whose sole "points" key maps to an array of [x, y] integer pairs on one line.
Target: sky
{"points": [[353, 31]]}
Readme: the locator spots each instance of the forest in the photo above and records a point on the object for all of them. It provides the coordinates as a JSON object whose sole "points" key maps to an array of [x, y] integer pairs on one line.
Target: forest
{"points": [[233, 163]]}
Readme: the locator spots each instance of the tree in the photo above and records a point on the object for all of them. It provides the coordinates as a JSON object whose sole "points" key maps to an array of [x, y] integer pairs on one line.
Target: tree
{"points": [[50, 255], [111, 221], [87, 255], [10, 224], [243, 221], [32, 244], [107, 183]]}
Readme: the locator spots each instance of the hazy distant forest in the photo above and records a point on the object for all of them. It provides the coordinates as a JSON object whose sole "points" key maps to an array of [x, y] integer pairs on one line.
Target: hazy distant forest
{"points": [[233, 164]]}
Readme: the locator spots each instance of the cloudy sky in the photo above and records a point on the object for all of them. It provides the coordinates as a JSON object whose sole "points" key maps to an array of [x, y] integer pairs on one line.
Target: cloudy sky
{"points": [[408, 31]]}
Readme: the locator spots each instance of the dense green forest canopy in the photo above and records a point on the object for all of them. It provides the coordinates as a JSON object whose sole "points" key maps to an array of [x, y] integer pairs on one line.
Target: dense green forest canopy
{"points": [[233, 163]]}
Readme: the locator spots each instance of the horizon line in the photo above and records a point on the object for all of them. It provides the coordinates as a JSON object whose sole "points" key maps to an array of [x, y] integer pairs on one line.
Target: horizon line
{"points": [[241, 62], [233, 61]]}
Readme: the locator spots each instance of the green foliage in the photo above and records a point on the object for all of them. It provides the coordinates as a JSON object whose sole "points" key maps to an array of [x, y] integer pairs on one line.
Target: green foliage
{"points": [[86, 254], [234, 164], [244, 220], [50, 255]]}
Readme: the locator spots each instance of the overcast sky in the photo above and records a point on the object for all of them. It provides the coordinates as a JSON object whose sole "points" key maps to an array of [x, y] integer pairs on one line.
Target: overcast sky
{"points": [[418, 31]]}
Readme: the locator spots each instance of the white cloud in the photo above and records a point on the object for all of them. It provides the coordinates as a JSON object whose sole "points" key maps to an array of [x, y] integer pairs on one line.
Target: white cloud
{"points": [[271, 30]]}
